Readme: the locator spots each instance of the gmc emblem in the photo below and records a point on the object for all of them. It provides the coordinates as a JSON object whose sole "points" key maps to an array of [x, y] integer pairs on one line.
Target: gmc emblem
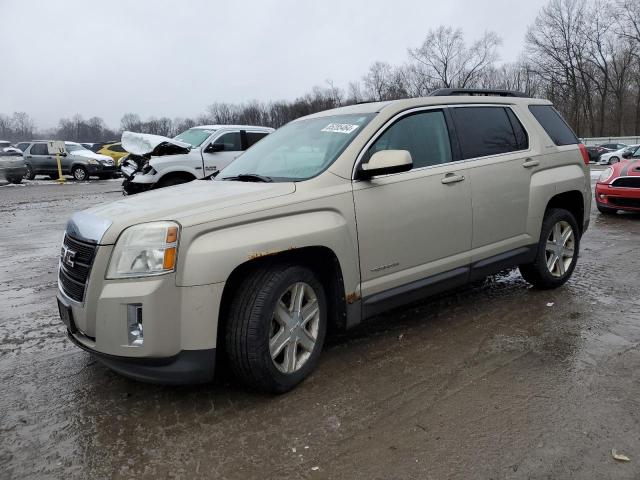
{"points": [[67, 256]]}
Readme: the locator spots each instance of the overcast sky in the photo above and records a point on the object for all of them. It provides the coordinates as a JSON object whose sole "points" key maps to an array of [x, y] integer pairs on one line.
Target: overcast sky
{"points": [[173, 58]]}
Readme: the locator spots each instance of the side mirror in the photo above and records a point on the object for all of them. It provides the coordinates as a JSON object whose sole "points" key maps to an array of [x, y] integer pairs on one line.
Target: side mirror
{"points": [[385, 162], [627, 154], [214, 147]]}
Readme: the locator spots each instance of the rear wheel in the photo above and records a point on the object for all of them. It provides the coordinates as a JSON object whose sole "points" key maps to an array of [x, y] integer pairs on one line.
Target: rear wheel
{"points": [[29, 174], [606, 210], [14, 180], [557, 251], [79, 173], [276, 327]]}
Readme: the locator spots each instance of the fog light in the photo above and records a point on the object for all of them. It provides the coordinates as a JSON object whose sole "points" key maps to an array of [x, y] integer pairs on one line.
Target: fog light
{"points": [[603, 196], [134, 324]]}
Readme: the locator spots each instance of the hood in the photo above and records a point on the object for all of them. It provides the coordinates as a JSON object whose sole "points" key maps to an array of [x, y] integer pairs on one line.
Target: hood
{"points": [[156, 145], [626, 168], [180, 202], [90, 154]]}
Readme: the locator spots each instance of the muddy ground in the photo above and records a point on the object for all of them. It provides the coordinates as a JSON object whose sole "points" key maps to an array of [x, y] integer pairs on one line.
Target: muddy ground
{"points": [[493, 381]]}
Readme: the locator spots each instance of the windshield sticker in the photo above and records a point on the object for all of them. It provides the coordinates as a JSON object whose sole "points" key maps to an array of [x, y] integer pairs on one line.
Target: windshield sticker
{"points": [[340, 128]]}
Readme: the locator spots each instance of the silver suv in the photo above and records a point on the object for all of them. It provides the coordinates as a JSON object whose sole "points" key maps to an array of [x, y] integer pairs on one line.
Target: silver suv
{"points": [[333, 218]]}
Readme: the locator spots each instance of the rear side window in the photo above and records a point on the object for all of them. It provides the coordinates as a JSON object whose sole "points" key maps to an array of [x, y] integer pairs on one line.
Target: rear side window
{"points": [[424, 135], [484, 131], [554, 124], [254, 137], [39, 149]]}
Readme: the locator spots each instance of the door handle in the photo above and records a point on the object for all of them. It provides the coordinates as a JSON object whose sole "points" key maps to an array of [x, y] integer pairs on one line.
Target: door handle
{"points": [[528, 163], [452, 178]]}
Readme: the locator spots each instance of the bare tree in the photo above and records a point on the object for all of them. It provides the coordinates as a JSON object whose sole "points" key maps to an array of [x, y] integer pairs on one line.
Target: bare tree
{"points": [[450, 63]]}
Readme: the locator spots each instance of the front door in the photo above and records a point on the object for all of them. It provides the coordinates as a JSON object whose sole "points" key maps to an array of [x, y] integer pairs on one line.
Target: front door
{"points": [[414, 227], [222, 150]]}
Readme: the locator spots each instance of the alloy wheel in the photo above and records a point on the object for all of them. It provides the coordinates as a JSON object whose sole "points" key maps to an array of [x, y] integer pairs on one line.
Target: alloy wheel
{"points": [[79, 174], [560, 249], [294, 327]]}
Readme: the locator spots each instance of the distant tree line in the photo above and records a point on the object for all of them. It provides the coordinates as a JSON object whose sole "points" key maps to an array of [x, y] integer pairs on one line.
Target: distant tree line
{"points": [[583, 55]]}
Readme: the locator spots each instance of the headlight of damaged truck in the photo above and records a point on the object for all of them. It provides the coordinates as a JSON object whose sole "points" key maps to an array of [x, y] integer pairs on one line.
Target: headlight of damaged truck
{"points": [[148, 169], [145, 250]]}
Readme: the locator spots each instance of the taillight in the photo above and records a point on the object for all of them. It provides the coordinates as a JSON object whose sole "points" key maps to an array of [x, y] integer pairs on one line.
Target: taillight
{"points": [[585, 154]]}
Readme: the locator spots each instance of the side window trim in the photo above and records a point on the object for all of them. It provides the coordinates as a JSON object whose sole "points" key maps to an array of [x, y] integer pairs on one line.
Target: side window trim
{"points": [[389, 123]]}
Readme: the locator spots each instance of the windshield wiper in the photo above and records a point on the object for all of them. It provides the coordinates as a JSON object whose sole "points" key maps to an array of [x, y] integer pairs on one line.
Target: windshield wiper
{"points": [[249, 177]]}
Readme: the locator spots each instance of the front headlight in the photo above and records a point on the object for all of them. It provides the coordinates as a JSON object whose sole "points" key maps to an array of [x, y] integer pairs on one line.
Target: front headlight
{"points": [[145, 250], [605, 175], [91, 161]]}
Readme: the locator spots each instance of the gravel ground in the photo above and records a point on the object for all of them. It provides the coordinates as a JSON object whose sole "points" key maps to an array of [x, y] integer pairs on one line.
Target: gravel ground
{"points": [[496, 380]]}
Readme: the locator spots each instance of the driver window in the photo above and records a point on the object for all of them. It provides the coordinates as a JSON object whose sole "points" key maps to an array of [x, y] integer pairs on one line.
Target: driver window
{"points": [[423, 134], [230, 142]]}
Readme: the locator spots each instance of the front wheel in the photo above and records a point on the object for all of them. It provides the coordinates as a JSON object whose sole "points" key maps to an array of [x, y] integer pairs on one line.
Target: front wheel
{"points": [[557, 251], [613, 160], [14, 180], [276, 327], [79, 174]]}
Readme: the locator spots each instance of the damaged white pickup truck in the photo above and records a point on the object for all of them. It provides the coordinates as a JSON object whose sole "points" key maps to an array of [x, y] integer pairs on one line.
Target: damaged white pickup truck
{"points": [[155, 161]]}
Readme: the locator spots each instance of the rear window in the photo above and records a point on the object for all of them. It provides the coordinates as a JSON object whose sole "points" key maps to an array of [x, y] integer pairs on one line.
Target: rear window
{"points": [[554, 124], [484, 131]]}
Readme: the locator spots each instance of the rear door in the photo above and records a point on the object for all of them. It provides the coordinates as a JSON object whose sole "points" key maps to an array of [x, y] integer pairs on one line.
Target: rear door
{"points": [[38, 156], [495, 146], [413, 226]]}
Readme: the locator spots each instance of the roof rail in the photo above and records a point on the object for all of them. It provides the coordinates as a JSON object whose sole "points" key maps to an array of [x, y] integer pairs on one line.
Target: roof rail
{"points": [[441, 92]]}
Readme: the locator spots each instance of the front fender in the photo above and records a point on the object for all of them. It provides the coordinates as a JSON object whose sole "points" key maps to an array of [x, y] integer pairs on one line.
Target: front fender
{"points": [[183, 163], [212, 255]]}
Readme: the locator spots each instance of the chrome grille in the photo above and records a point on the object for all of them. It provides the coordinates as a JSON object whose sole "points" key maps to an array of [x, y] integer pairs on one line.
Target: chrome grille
{"points": [[76, 258]]}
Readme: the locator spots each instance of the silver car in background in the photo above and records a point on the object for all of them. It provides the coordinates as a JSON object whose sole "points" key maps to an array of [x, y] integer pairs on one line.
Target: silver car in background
{"points": [[12, 167]]}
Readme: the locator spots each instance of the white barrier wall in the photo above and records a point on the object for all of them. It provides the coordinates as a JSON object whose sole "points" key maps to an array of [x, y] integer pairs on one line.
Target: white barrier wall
{"points": [[599, 140]]}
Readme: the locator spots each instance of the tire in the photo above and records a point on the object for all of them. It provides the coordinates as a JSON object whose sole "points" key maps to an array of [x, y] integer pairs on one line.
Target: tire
{"points": [[79, 173], [15, 180], [253, 326], [29, 174], [606, 210], [613, 160], [538, 273], [173, 180]]}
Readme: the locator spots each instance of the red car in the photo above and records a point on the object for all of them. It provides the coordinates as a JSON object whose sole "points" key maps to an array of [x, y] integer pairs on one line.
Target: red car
{"points": [[618, 187]]}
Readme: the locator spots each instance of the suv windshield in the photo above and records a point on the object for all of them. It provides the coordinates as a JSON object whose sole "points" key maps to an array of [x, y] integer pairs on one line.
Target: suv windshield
{"points": [[300, 150], [194, 136]]}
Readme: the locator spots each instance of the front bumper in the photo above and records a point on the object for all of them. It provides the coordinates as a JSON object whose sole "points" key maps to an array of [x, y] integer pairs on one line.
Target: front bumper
{"points": [[620, 198], [186, 367], [129, 187], [180, 324]]}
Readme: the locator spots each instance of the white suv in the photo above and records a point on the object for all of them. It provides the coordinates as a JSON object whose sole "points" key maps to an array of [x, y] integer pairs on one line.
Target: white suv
{"points": [[155, 161], [333, 218]]}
